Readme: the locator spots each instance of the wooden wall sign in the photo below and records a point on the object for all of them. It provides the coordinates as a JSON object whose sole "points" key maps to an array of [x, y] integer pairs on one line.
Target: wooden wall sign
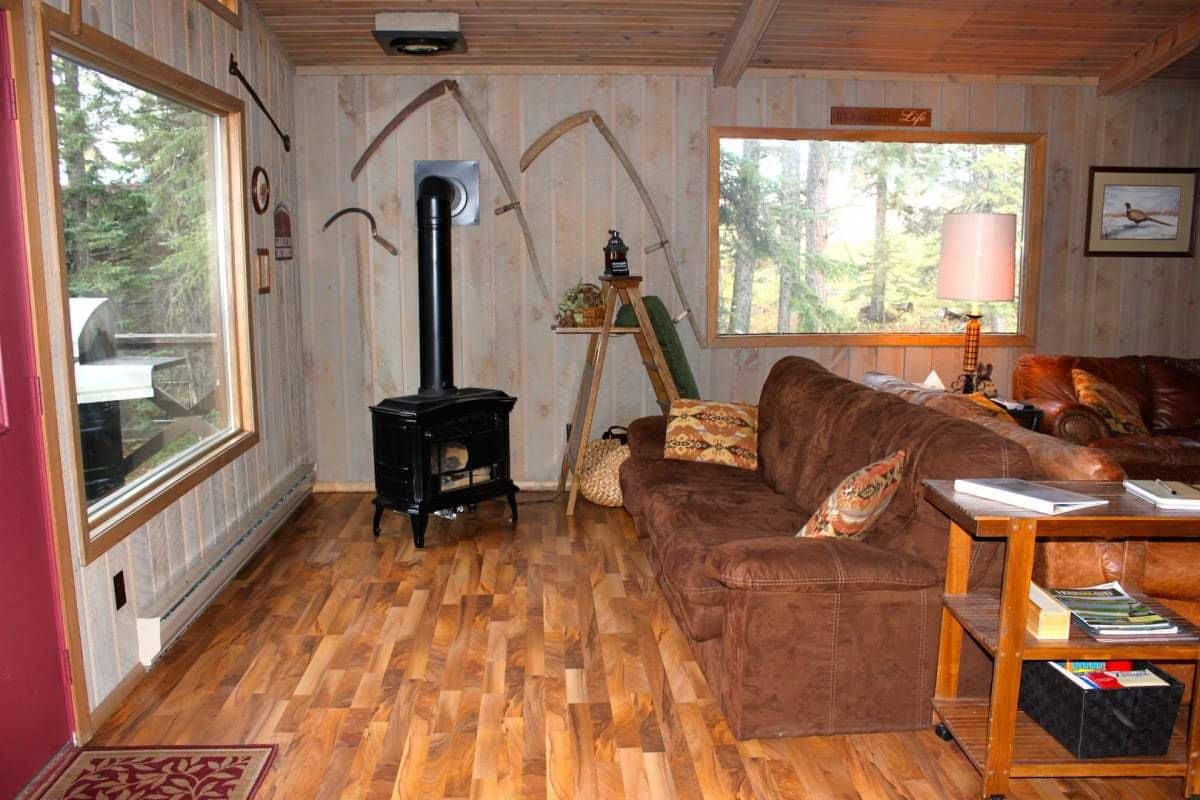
{"points": [[283, 233], [890, 117]]}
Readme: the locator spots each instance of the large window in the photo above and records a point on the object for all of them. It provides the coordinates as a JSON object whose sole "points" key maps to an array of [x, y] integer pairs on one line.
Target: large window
{"points": [[834, 237], [149, 173]]}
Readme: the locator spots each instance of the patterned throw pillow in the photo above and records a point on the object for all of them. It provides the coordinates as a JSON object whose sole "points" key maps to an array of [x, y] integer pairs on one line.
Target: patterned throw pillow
{"points": [[855, 503], [717, 433], [1119, 411]]}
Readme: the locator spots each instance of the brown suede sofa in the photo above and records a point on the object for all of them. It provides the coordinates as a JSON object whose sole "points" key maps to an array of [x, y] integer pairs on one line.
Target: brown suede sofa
{"points": [[811, 636], [1167, 391], [1167, 571]]}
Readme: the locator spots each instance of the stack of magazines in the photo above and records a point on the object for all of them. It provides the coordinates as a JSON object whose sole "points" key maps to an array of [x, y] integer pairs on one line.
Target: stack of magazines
{"points": [[1108, 612]]}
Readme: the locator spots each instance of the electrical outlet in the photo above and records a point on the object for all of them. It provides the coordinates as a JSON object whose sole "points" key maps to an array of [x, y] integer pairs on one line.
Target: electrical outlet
{"points": [[119, 589]]}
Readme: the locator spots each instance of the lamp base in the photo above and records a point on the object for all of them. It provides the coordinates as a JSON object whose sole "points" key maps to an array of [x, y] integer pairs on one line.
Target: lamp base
{"points": [[978, 381]]}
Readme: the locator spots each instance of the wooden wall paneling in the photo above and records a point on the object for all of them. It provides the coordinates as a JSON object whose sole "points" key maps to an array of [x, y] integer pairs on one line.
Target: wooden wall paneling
{"points": [[354, 300], [322, 278], [599, 214], [628, 118], [1160, 143], [479, 288], [1108, 279], [658, 173], [690, 225], [384, 189], [538, 358], [571, 230], [511, 265]]}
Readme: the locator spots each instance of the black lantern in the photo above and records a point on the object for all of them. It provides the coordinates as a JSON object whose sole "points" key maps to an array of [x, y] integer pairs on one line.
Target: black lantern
{"points": [[615, 262]]}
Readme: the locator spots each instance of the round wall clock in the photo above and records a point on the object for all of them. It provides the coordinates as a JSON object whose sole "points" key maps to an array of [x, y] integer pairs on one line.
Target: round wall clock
{"points": [[260, 190]]}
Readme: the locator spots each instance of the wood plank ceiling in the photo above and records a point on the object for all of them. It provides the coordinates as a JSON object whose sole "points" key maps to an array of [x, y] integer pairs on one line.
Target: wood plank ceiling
{"points": [[1067, 38]]}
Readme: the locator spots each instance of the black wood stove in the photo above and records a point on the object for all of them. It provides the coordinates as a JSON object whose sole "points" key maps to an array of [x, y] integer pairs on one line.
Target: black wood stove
{"points": [[443, 447]]}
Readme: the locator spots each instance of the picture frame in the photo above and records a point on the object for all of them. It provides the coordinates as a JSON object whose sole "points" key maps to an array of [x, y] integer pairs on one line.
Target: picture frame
{"points": [[1141, 212], [262, 260]]}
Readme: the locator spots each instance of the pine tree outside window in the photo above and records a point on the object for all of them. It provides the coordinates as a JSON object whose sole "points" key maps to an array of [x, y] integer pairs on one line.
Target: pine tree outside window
{"points": [[151, 184], [832, 237]]}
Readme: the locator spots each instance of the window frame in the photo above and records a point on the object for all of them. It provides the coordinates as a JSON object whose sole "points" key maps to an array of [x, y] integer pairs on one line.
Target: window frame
{"points": [[104, 528], [228, 10], [1030, 268]]}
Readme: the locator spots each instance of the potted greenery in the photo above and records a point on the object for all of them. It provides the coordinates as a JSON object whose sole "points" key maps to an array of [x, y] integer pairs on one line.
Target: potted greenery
{"points": [[581, 307]]}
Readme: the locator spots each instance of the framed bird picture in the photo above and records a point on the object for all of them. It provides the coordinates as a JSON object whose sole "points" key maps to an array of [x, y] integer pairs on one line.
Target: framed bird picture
{"points": [[1141, 211]]}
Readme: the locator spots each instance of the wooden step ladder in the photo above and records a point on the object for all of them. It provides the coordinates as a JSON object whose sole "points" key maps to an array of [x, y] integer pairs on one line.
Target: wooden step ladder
{"points": [[612, 289]]}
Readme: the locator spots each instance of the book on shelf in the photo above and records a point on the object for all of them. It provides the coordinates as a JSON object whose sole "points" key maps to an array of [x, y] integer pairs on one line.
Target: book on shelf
{"points": [[1173, 495], [1027, 494], [1104, 678], [1108, 612], [1046, 618]]}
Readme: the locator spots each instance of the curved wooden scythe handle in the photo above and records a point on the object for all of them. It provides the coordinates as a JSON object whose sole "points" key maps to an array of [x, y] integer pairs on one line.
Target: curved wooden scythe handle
{"points": [[437, 90], [551, 135], [574, 121]]}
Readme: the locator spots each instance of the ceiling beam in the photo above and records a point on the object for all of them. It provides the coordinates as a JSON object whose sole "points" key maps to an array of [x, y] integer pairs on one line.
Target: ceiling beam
{"points": [[742, 40], [1153, 58]]}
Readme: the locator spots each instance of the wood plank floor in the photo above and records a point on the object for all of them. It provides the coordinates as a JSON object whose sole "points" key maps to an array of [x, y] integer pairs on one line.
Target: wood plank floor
{"points": [[496, 663]]}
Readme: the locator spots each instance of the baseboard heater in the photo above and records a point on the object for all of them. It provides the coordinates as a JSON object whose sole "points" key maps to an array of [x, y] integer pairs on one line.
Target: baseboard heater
{"points": [[159, 629]]}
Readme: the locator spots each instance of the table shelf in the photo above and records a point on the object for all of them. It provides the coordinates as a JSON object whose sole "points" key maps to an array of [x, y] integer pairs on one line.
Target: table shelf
{"points": [[997, 737], [611, 331], [979, 614], [1037, 754]]}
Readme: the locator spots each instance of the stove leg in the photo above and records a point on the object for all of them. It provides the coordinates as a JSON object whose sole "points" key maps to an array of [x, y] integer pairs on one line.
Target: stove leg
{"points": [[418, 528], [512, 503], [378, 517]]}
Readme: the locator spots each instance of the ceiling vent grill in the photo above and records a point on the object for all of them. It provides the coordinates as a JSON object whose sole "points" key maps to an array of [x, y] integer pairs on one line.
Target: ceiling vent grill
{"points": [[419, 33]]}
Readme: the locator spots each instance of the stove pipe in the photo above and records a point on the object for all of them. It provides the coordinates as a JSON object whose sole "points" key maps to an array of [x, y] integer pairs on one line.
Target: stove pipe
{"points": [[433, 282]]}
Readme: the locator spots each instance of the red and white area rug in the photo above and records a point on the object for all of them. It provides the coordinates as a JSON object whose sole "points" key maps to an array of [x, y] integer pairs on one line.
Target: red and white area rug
{"points": [[162, 773]]}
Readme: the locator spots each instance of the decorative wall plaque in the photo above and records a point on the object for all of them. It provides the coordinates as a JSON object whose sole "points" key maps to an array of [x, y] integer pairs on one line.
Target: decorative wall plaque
{"points": [[283, 233], [890, 117]]}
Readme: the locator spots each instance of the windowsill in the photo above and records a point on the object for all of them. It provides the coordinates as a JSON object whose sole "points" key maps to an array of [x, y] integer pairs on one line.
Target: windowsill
{"points": [[753, 340], [108, 527]]}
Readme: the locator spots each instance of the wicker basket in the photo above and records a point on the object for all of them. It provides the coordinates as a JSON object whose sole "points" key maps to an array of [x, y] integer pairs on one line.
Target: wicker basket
{"points": [[599, 474], [591, 317]]}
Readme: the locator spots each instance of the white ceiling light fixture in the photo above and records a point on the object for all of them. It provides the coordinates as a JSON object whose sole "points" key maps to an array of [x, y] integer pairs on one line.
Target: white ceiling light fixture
{"points": [[419, 33]]}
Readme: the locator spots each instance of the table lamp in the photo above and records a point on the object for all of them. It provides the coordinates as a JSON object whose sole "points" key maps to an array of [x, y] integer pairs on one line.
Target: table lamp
{"points": [[978, 264]]}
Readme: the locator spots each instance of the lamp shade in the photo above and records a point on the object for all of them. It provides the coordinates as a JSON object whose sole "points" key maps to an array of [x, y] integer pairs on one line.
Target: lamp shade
{"points": [[978, 260]]}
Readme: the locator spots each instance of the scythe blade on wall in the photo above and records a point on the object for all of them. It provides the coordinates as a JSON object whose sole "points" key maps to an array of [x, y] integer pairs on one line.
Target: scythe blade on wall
{"points": [[433, 92], [561, 127]]}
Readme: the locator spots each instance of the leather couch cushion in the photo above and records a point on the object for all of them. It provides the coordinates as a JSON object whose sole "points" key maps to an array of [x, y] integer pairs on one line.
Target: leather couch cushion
{"points": [[1175, 385], [1168, 457], [1042, 376]]}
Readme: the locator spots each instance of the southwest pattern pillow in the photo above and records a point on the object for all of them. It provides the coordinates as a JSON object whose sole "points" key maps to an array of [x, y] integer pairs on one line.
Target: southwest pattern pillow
{"points": [[858, 501], [715, 433], [1119, 411]]}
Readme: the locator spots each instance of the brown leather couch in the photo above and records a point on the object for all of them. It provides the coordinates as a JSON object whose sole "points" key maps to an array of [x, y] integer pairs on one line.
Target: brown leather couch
{"points": [[1167, 571], [812, 636], [1167, 391]]}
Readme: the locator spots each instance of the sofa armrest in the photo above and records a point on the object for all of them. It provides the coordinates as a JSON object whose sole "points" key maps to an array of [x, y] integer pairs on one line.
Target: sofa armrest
{"points": [[791, 564], [1074, 422], [647, 437]]}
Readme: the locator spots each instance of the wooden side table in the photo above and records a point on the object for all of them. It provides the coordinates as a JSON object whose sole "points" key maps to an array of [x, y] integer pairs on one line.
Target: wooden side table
{"points": [[998, 739]]}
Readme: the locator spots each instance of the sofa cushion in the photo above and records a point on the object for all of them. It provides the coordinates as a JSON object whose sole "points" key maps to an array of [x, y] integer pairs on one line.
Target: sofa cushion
{"points": [[713, 433], [1175, 393], [1119, 412], [687, 525], [641, 478], [854, 504], [1168, 457]]}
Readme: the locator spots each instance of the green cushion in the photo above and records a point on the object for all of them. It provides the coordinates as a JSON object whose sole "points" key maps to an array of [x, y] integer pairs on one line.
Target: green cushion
{"points": [[668, 340]]}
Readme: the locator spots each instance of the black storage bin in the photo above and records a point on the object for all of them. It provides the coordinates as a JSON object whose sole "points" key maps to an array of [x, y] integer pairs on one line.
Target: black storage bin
{"points": [[1101, 723]]}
